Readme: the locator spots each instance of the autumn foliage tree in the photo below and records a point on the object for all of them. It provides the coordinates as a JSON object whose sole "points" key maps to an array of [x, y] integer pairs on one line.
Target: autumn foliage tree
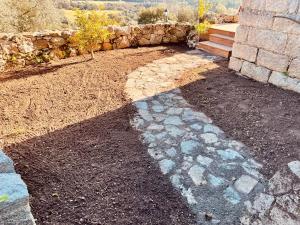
{"points": [[92, 30]]}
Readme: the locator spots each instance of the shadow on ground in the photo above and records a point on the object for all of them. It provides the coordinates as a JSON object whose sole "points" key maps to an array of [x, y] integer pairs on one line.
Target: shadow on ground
{"points": [[97, 172], [262, 116]]}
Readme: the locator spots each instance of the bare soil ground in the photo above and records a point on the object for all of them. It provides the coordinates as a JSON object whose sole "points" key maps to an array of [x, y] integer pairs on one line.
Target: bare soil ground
{"points": [[66, 126], [262, 116]]}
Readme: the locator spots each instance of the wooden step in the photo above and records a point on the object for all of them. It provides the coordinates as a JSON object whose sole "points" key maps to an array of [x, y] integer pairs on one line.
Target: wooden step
{"points": [[215, 49], [221, 39], [221, 32]]}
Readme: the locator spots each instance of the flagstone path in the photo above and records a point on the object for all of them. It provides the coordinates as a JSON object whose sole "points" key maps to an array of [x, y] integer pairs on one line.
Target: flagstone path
{"points": [[219, 180]]}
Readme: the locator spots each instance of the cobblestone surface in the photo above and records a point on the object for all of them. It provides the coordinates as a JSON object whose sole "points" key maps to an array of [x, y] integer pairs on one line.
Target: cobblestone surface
{"points": [[219, 180]]}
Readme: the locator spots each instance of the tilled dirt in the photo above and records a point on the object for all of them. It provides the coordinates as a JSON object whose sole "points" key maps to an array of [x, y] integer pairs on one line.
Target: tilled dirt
{"points": [[66, 126]]}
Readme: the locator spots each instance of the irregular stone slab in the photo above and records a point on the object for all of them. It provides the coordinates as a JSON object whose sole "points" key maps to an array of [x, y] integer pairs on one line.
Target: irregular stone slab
{"points": [[174, 111], [190, 146], [245, 184], [145, 115], [6, 164], [209, 138], [158, 108], [215, 181], [187, 193], [174, 131], [141, 105], [229, 154], [173, 120], [12, 185], [209, 128], [232, 196], [295, 167], [166, 165], [171, 152], [196, 173], [196, 127], [262, 203], [203, 160]]}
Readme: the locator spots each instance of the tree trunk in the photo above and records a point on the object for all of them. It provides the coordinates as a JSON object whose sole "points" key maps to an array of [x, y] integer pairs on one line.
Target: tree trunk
{"points": [[92, 54]]}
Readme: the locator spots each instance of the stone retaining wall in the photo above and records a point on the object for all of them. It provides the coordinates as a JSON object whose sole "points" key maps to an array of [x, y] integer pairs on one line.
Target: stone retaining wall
{"points": [[15, 210], [28, 48], [267, 46]]}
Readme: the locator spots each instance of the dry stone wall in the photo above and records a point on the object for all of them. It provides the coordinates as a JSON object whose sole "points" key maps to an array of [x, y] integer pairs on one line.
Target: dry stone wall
{"points": [[267, 42], [28, 48]]}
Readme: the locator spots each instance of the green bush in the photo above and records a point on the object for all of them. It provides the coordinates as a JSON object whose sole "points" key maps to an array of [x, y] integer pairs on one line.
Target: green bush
{"points": [[151, 15], [202, 28]]}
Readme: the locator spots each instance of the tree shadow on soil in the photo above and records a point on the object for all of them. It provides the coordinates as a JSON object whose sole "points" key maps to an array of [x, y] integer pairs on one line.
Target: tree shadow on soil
{"points": [[97, 172]]}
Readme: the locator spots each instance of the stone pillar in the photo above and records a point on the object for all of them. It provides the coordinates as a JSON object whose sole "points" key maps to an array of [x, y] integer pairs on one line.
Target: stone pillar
{"points": [[267, 42]]}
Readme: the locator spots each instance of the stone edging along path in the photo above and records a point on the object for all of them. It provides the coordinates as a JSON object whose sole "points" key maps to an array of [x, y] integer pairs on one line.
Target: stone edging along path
{"points": [[215, 175], [15, 210]]}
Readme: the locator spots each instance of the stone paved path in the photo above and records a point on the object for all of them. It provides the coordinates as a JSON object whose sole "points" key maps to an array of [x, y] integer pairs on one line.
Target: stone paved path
{"points": [[219, 180]]}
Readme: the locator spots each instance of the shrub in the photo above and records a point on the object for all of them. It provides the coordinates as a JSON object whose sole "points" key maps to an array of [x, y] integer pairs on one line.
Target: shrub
{"points": [[202, 28], [186, 14], [28, 15], [151, 15], [92, 30]]}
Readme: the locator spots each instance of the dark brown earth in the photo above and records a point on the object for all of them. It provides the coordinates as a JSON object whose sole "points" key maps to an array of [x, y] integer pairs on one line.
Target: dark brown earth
{"points": [[66, 126], [262, 116]]}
